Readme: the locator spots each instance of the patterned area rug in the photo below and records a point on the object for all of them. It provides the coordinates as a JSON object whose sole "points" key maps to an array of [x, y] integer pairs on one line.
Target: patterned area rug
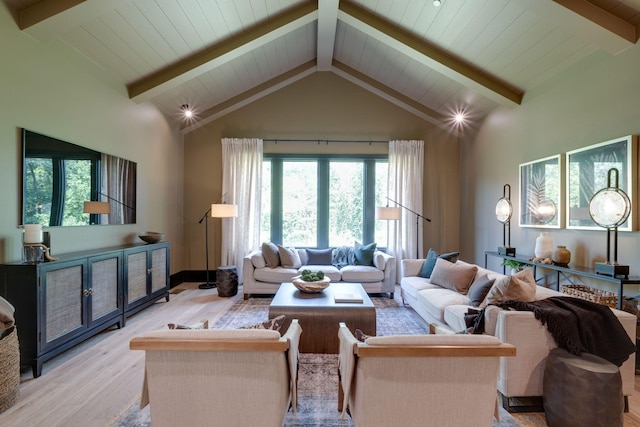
{"points": [[318, 373]]}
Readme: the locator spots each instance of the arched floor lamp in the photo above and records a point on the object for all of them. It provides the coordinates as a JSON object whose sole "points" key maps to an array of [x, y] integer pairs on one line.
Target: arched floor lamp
{"points": [[393, 213], [217, 210]]}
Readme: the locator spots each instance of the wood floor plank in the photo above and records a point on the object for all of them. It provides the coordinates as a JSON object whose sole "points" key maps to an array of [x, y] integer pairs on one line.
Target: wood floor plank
{"points": [[95, 382]]}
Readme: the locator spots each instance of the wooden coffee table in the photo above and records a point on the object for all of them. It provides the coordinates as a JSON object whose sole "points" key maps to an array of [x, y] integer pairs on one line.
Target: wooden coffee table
{"points": [[319, 315]]}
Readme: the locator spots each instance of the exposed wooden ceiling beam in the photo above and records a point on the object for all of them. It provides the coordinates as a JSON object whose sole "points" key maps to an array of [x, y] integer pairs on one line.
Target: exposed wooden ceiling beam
{"points": [[51, 18], [572, 21], [430, 55], [603, 18], [214, 56], [252, 95], [327, 24], [390, 95]]}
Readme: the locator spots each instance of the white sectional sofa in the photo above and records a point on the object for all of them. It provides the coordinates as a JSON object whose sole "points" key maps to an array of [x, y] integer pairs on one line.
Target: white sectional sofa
{"points": [[520, 378], [259, 278]]}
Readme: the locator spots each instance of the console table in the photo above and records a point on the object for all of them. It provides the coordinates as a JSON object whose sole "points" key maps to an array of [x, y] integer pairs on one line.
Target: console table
{"points": [[571, 271], [61, 303]]}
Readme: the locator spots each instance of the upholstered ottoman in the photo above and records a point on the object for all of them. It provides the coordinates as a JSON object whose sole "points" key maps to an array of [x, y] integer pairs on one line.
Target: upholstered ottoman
{"points": [[582, 391]]}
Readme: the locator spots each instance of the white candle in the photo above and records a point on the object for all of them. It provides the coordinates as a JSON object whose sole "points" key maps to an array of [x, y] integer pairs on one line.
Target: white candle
{"points": [[32, 233]]}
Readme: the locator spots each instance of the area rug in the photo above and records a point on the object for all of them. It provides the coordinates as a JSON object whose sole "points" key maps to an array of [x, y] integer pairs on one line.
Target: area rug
{"points": [[318, 373]]}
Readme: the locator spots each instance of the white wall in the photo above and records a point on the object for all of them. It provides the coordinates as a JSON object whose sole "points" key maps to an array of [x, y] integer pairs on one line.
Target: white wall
{"points": [[48, 88], [594, 102]]}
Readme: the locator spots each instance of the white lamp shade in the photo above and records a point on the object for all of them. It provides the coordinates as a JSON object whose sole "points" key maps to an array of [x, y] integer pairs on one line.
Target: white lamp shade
{"points": [[97, 208], [388, 213], [223, 210]]}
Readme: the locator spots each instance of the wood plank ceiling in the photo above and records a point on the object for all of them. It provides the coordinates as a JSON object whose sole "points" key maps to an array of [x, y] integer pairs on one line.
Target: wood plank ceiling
{"points": [[218, 55]]}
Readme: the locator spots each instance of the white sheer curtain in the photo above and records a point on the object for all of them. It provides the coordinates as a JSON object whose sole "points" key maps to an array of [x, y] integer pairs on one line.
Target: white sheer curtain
{"points": [[406, 166], [242, 182]]}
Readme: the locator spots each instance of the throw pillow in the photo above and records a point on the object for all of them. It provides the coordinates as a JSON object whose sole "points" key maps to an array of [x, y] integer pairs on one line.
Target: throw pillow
{"points": [[203, 324], [273, 324], [289, 257], [270, 254], [520, 287], [479, 290], [319, 256], [430, 261], [457, 277], [361, 336], [364, 253]]}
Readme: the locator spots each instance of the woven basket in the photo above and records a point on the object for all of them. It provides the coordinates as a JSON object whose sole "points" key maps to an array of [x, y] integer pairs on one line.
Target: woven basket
{"points": [[591, 294], [9, 369]]}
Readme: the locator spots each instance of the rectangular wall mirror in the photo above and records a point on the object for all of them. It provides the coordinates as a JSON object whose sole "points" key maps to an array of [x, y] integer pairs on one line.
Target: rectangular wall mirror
{"points": [[59, 177]]}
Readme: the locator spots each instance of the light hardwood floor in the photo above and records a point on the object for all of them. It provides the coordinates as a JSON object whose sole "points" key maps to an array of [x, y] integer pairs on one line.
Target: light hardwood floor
{"points": [[93, 383]]}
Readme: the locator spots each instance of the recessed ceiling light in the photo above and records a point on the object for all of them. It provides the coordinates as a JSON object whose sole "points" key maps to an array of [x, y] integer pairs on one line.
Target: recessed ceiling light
{"points": [[459, 117], [437, 3]]}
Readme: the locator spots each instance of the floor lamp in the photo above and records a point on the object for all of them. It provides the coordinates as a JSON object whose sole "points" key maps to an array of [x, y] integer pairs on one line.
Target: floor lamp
{"points": [[393, 213], [217, 210]]}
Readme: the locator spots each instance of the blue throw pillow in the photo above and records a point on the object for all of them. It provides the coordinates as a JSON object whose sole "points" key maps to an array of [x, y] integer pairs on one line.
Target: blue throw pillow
{"points": [[364, 253], [319, 256], [430, 262]]}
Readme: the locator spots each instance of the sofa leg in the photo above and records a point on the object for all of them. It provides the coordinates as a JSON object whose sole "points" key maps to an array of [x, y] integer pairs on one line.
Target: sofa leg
{"points": [[246, 296], [391, 295]]}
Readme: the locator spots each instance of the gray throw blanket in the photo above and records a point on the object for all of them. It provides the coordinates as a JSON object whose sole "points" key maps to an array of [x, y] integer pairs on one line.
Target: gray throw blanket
{"points": [[580, 326]]}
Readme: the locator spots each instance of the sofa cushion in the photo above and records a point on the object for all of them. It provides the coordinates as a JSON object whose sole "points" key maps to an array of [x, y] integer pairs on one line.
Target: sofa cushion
{"points": [[520, 286], [319, 256], [270, 254], [289, 257], [361, 273], [257, 259], [479, 290], [430, 261], [274, 275], [411, 285], [434, 301], [364, 253], [456, 277], [329, 270], [454, 317]]}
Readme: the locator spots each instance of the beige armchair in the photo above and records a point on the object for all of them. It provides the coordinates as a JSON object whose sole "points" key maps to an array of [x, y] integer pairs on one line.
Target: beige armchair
{"points": [[202, 377], [439, 380]]}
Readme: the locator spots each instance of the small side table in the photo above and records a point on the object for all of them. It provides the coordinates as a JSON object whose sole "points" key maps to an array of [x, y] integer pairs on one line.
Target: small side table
{"points": [[227, 280], [582, 390]]}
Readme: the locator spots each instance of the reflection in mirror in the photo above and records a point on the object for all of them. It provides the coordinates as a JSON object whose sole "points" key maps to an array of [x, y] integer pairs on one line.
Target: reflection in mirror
{"points": [[58, 177]]}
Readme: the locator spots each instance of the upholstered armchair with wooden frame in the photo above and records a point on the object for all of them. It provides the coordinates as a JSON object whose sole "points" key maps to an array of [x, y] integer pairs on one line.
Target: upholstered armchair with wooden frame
{"points": [[231, 377], [441, 380]]}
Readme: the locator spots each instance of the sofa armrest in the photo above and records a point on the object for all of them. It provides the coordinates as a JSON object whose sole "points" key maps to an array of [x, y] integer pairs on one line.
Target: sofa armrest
{"points": [[411, 267], [380, 260], [247, 273]]}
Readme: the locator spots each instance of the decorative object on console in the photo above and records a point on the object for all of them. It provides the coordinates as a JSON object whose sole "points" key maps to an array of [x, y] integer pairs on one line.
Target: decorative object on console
{"points": [[609, 208], [544, 246], [34, 249], [151, 236], [217, 210], [393, 213], [504, 209], [561, 256]]}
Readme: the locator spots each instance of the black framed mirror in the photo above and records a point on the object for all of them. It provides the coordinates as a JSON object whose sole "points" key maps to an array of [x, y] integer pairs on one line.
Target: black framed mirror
{"points": [[58, 177]]}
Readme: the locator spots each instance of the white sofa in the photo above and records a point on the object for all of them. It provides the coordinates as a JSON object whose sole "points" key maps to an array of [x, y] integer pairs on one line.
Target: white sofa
{"points": [[263, 280], [520, 376]]}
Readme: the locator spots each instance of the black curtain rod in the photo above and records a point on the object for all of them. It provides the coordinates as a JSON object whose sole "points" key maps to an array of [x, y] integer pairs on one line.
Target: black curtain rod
{"points": [[326, 141]]}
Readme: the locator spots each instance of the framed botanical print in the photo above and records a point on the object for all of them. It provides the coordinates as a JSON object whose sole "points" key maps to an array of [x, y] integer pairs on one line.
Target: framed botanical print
{"points": [[540, 193], [587, 173]]}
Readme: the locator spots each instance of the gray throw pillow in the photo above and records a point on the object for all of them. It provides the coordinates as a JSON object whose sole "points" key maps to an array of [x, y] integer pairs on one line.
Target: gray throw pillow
{"points": [[457, 277], [289, 257], [270, 254], [479, 290], [319, 256]]}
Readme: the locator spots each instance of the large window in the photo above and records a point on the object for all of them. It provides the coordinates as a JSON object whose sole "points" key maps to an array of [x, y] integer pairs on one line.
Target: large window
{"points": [[323, 201]]}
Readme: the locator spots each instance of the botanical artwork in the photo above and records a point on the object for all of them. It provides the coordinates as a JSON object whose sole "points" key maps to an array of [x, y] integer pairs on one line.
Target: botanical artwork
{"points": [[587, 173], [540, 193]]}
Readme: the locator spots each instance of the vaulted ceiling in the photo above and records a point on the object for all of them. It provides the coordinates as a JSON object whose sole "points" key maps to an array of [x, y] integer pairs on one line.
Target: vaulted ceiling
{"points": [[216, 56]]}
